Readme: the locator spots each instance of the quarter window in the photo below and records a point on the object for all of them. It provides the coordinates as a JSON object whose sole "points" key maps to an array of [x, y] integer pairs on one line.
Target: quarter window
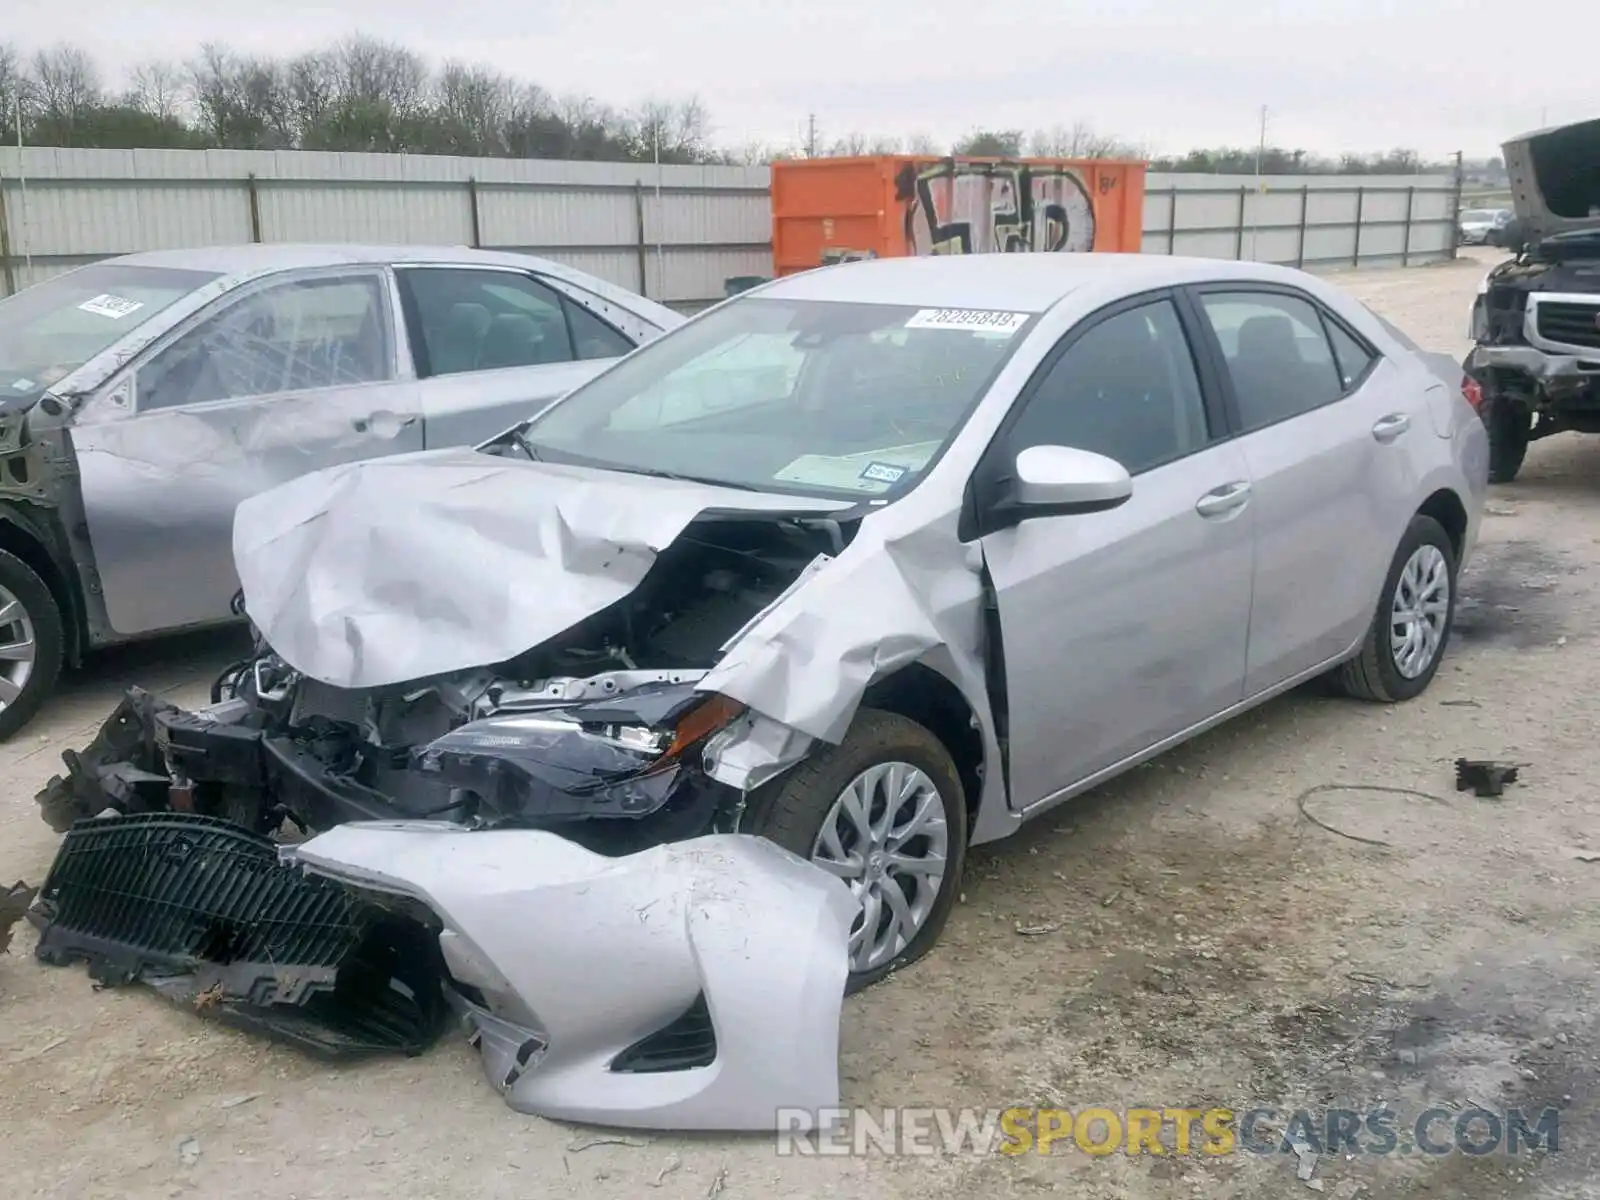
{"points": [[1127, 389], [289, 337], [1277, 355], [1353, 357]]}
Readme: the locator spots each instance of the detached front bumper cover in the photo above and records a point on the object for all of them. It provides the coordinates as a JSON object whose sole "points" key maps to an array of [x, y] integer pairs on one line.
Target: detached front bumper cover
{"points": [[696, 985]]}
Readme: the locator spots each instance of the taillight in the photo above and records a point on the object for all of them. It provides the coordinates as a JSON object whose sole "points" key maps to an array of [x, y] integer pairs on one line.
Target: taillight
{"points": [[1473, 391]]}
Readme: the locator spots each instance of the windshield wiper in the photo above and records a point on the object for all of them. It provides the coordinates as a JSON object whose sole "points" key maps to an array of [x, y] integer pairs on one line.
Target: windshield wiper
{"points": [[657, 473], [525, 443]]}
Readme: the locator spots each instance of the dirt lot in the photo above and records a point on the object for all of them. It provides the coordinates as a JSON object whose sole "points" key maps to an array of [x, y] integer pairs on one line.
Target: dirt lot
{"points": [[1193, 940]]}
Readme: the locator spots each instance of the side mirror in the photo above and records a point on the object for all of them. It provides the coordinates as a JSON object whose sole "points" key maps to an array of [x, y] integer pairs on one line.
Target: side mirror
{"points": [[1061, 481]]}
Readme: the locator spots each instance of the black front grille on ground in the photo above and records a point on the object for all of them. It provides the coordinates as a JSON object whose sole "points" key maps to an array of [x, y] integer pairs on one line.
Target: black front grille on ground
{"points": [[1570, 323], [690, 1041], [173, 890], [201, 909]]}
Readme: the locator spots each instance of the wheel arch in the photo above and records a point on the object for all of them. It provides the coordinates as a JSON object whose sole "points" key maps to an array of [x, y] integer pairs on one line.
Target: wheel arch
{"points": [[20, 536], [921, 694], [1446, 507]]}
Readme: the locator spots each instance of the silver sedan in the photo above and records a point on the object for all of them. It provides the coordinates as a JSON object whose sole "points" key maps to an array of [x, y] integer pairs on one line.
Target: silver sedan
{"points": [[878, 561], [143, 397]]}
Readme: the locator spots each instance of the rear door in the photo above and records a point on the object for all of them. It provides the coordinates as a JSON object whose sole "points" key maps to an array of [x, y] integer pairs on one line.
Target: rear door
{"points": [[494, 345], [278, 378], [1122, 628], [1324, 422]]}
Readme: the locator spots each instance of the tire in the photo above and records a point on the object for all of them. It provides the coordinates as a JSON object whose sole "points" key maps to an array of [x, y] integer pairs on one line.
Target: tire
{"points": [[794, 808], [1508, 425], [1376, 674], [41, 626]]}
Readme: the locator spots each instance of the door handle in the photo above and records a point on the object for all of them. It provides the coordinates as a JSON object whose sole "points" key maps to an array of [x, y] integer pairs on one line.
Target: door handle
{"points": [[387, 423], [1221, 501], [1386, 429]]}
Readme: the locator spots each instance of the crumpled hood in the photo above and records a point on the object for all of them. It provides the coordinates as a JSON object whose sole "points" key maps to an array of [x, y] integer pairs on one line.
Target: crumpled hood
{"points": [[1555, 180], [400, 568]]}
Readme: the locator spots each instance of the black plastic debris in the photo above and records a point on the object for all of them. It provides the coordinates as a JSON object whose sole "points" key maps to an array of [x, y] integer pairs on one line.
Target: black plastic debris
{"points": [[1485, 777], [120, 769], [12, 907], [200, 909]]}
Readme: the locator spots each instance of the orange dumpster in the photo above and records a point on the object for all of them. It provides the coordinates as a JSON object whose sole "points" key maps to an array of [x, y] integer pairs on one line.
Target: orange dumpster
{"points": [[836, 209]]}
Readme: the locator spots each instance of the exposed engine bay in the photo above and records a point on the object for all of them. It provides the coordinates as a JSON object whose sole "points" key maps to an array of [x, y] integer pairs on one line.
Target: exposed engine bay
{"points": [[594, 734]]}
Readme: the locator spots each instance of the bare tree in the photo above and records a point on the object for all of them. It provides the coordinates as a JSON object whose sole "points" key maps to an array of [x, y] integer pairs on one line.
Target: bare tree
{"points": [[16, 90], [243, 103], [311, 85], [991, 143], [679, 131], [1080, 140], [921, 143], [67, 84], [856, 144], [474, 104], [374, 72], [159, 89]]}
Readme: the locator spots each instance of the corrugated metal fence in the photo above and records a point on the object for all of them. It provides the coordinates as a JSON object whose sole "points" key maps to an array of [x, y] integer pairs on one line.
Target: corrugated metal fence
{"points": [[675, 233]]}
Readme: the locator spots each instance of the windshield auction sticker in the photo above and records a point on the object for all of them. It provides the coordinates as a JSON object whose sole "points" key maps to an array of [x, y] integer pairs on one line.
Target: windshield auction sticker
{"points": [[114, 307], [970, 320]]}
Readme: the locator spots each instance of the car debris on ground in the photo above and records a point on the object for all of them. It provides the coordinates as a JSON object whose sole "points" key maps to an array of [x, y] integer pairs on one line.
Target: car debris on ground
{"points": [[12, 907], [367, 938], [1485, 777]]}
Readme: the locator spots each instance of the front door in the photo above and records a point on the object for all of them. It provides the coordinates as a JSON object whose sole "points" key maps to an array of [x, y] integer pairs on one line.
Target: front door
{"points": [[1125, 627], [493, 346], [281, 378]]}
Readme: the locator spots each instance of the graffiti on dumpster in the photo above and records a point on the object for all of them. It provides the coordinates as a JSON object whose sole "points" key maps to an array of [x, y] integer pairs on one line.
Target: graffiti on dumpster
{"points": [[956, 207]]}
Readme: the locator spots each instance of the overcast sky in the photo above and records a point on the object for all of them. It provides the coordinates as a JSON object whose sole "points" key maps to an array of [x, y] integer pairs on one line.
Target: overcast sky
{"points": [[1335, 75]]}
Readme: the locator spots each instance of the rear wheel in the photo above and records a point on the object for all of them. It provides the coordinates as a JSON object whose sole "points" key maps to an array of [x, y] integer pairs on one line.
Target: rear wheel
{"points": [[30, 643], [1411, 627], [885, 811]]}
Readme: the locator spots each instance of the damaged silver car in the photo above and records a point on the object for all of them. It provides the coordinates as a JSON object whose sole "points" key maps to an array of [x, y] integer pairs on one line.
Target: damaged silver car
{"points": [[143, 397], [877, 561]]}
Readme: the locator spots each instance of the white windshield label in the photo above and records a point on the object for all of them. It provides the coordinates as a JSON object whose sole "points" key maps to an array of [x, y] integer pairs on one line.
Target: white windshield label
{"points": [[114, 307], [972, 320]]}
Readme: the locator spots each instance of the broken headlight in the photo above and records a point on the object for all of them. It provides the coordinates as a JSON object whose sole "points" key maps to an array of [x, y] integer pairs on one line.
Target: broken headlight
{"points": [[555, 764]]}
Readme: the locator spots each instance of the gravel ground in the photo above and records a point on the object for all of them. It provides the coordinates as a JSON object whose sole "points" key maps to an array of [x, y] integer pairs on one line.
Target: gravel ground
{"points": [[1193, 939]]}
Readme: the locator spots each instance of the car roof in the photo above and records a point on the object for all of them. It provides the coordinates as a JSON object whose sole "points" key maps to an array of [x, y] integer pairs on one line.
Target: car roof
{"points": [[288, 256], [1016, 282], [236, 264]]}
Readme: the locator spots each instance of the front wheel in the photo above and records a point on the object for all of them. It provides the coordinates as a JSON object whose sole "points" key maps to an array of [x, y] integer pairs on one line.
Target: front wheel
{"points": [[30, 643], [1510, 427], [1416, 611], [885, 811]]}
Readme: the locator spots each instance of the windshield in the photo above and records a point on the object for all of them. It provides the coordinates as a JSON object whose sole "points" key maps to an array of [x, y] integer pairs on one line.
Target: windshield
{"points": [[813, 397], [54, 327]]}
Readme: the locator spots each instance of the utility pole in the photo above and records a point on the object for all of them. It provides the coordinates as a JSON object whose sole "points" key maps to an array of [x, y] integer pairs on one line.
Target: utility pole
{"points": [[811, 136], [1261, 154]]}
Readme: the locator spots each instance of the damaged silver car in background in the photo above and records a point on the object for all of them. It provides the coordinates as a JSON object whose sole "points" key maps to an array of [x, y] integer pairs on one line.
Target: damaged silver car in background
{"points": [[143, 397], [875, 561]]}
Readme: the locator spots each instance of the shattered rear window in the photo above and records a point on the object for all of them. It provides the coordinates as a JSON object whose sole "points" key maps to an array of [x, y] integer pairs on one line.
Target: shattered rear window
{"points": [[51, 329]]}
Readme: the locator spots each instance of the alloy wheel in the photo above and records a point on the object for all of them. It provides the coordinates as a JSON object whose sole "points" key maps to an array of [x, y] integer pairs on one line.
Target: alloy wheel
{"points": [[18, 649], [887, 837], [1419, 610]]}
